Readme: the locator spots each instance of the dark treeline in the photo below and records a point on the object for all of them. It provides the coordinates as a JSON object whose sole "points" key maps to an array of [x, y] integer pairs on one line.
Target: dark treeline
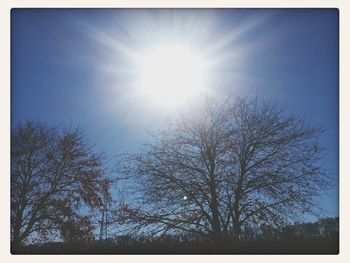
{"points": [[320, 237], [228, 178]]}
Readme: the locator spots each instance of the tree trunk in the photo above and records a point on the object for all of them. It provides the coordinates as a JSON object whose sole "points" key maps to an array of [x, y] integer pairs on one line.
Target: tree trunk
{"points": [[15, 244], [215, 213], [235, 218], [236, 229], [216, 223]]}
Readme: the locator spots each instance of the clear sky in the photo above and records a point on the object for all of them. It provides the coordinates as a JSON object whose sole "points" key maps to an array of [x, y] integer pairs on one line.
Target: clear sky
{"points": [[76, 66]]}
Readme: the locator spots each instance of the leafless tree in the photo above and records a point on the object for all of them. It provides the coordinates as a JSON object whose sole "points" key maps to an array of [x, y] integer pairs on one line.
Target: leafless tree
{"points": [[54, 173], [226, 166]]}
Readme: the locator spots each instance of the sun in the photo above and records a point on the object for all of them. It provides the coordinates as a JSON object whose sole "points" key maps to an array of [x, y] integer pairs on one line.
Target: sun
{"points": [[171, 75]]}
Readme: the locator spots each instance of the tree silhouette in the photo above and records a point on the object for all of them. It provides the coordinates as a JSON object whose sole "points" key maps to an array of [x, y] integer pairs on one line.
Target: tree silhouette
{"points": [[54, 174], [226, 166]]}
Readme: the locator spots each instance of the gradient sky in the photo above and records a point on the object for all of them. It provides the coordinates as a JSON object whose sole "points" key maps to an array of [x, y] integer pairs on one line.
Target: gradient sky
{"points": [[73, 66]]}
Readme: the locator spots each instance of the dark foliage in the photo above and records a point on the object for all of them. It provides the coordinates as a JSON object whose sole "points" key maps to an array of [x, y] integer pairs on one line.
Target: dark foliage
{"points": [[293, 239], [55, 174]]}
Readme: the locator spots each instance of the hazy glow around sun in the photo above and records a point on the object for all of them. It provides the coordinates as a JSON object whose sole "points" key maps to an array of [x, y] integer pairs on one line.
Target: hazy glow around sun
{"points": [[171, 74], [167, 59]]}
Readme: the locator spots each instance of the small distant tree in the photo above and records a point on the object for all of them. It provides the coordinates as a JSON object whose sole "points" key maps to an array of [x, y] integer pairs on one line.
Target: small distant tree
{"points": [[54, 173], [329, 226], [227, 166], [77, 231]]}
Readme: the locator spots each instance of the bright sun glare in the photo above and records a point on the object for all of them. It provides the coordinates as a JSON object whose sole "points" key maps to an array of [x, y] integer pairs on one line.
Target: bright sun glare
{"points": [[171, 75]]}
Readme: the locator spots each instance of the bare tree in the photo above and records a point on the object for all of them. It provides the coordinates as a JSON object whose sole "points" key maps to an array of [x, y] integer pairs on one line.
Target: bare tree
{"points": [[54, 173], [230, 165]]}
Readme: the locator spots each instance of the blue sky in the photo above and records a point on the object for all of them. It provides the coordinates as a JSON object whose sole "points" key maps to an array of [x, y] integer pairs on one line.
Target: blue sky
{"points": [[72, 66]]}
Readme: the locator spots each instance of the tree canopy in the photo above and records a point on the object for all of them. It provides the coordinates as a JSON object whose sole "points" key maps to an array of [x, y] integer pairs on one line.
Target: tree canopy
{"points": [[228, 165], [54, 174]]}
